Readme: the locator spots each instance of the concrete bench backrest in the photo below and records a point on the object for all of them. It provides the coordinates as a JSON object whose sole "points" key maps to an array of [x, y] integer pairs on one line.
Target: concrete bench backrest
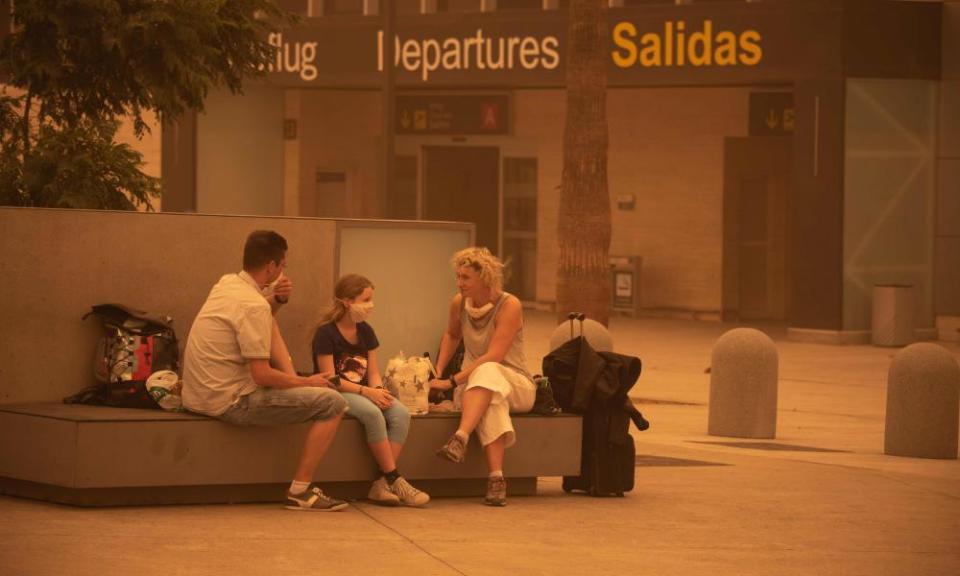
{"points": [[56, 264]]}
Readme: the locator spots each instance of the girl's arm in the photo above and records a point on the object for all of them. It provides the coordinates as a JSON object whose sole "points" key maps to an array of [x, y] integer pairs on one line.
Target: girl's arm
{"points": [[374, 390], [325, 363], [374, 378], [380, 397]]}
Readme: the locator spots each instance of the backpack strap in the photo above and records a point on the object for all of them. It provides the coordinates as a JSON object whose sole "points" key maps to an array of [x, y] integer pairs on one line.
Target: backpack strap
{"points": [[131, 319]]}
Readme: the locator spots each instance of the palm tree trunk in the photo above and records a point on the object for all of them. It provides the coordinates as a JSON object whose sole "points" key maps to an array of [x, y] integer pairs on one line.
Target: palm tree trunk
{"points": [[583, 230]]}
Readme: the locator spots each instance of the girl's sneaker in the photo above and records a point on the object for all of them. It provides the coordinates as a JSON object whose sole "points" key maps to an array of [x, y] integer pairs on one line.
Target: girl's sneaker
{"points": [[380, 493], [407, 494]]}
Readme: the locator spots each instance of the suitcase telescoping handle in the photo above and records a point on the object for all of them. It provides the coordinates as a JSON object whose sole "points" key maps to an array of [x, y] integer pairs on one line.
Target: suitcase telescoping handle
{"points": [[576, 316]]}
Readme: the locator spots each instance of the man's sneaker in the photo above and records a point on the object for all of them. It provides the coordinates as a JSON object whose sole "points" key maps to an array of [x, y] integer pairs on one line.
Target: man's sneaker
{"points": [[314, 500], [454, 450], [496, 491], [407, 494], [380, 493]]}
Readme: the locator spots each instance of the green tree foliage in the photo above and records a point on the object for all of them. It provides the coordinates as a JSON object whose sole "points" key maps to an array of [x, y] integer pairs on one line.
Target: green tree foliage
{"points": [[78, 66]]}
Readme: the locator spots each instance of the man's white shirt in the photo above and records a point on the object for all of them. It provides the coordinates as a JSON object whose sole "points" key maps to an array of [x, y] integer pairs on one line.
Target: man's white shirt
{"points": [[233, 326]]}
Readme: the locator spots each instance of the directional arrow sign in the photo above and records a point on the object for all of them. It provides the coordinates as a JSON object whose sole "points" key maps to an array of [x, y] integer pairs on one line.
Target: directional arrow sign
{"points": [[771, 113], [771, 120]]}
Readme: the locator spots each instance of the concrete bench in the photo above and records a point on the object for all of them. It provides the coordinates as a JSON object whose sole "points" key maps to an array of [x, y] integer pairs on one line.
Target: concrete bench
{"points": [[96, 456]]}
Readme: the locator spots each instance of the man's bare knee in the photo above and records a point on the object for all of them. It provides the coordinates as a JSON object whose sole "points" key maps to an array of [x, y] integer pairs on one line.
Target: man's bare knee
{"points": [[333, 421]]}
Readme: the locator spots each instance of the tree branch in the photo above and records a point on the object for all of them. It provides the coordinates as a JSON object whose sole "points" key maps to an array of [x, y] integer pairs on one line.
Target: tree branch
{"points": [[26, 124]]}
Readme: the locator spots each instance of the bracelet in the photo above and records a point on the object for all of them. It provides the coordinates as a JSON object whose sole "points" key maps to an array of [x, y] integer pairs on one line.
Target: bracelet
{"points": [[360, 391]]}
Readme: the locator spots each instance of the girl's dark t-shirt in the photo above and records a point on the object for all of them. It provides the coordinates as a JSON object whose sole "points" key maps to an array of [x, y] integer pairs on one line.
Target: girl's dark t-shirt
{"points": [[349, 360]]}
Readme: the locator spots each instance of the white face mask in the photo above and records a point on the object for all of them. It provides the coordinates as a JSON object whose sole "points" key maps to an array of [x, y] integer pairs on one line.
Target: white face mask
{"points": [[360, 311], [475, 312]]}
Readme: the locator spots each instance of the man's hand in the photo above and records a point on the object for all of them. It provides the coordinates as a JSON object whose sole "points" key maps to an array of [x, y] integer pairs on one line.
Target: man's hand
{"points": [[318, 381], [283, 289]]}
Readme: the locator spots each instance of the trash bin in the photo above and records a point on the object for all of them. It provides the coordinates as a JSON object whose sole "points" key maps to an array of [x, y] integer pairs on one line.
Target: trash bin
{"points": [[893, 314], [625, 283]]}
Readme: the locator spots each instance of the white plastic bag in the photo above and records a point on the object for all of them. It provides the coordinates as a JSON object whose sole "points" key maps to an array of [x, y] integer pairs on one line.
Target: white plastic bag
{"points": [[164, 387], [409, 379]]}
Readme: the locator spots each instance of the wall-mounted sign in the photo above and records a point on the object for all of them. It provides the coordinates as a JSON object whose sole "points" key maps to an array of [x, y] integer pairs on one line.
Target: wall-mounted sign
{"points": [[686, 45], [692, 44], [680, 44], [771, 113], [625, 283], [452, 114]]}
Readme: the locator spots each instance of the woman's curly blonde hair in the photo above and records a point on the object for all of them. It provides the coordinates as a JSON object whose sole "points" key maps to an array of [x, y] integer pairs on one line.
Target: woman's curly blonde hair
{"points": [[483, 261]]}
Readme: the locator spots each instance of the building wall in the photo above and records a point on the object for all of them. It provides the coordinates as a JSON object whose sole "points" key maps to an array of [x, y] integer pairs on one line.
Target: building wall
{"points": [[240, 152], [666, 148], [339, 131], [947, 232], [148, 145]]}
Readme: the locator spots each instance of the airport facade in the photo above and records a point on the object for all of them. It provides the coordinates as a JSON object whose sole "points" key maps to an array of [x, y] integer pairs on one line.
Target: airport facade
{"points": [[768, 161]]}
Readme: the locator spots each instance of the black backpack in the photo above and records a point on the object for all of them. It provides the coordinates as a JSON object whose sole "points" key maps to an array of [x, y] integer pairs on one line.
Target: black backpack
{"points": [[134, 345]]}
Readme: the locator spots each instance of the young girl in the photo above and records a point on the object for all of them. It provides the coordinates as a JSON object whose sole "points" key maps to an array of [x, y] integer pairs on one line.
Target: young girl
{"points": [[346, 345]]}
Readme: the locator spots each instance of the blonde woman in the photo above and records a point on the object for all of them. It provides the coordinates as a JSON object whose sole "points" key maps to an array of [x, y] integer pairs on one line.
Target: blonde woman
{"points": [[493, 380], [345, 344]]}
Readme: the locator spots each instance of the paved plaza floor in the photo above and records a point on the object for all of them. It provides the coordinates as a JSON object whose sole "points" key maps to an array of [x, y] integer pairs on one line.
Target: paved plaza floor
{"points": [[819, 499]]}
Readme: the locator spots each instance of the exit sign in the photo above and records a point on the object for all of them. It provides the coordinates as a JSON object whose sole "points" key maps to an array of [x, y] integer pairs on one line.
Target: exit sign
{"points": [[771, 113]]}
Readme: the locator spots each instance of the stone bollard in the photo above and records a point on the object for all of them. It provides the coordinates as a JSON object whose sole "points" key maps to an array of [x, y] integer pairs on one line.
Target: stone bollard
{"points": [[595, 333], [923, 399], [743, 385]]}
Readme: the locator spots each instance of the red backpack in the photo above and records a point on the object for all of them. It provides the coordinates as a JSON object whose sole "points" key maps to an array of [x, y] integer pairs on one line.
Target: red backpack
{"points": [[134, 345]]}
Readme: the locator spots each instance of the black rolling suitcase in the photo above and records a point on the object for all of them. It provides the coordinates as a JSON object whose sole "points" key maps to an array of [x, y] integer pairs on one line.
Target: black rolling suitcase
{"points": [[607, 456], [595, 384]]}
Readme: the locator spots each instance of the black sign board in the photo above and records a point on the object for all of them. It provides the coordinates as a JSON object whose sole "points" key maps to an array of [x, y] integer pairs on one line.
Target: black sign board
{"points": [[692, 44], [452, 114], [771, 113]]}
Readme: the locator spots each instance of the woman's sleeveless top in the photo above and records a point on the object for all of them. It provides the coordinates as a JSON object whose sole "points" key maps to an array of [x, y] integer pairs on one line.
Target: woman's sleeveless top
{"points": [[477, 334]]}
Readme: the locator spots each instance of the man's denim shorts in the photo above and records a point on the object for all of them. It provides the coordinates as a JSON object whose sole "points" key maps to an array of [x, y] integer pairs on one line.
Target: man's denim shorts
{"points": [[279, 406]]}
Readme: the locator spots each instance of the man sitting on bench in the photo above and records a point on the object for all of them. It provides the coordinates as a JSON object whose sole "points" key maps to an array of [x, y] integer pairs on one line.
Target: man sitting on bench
{"points": [[237, 367]]}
